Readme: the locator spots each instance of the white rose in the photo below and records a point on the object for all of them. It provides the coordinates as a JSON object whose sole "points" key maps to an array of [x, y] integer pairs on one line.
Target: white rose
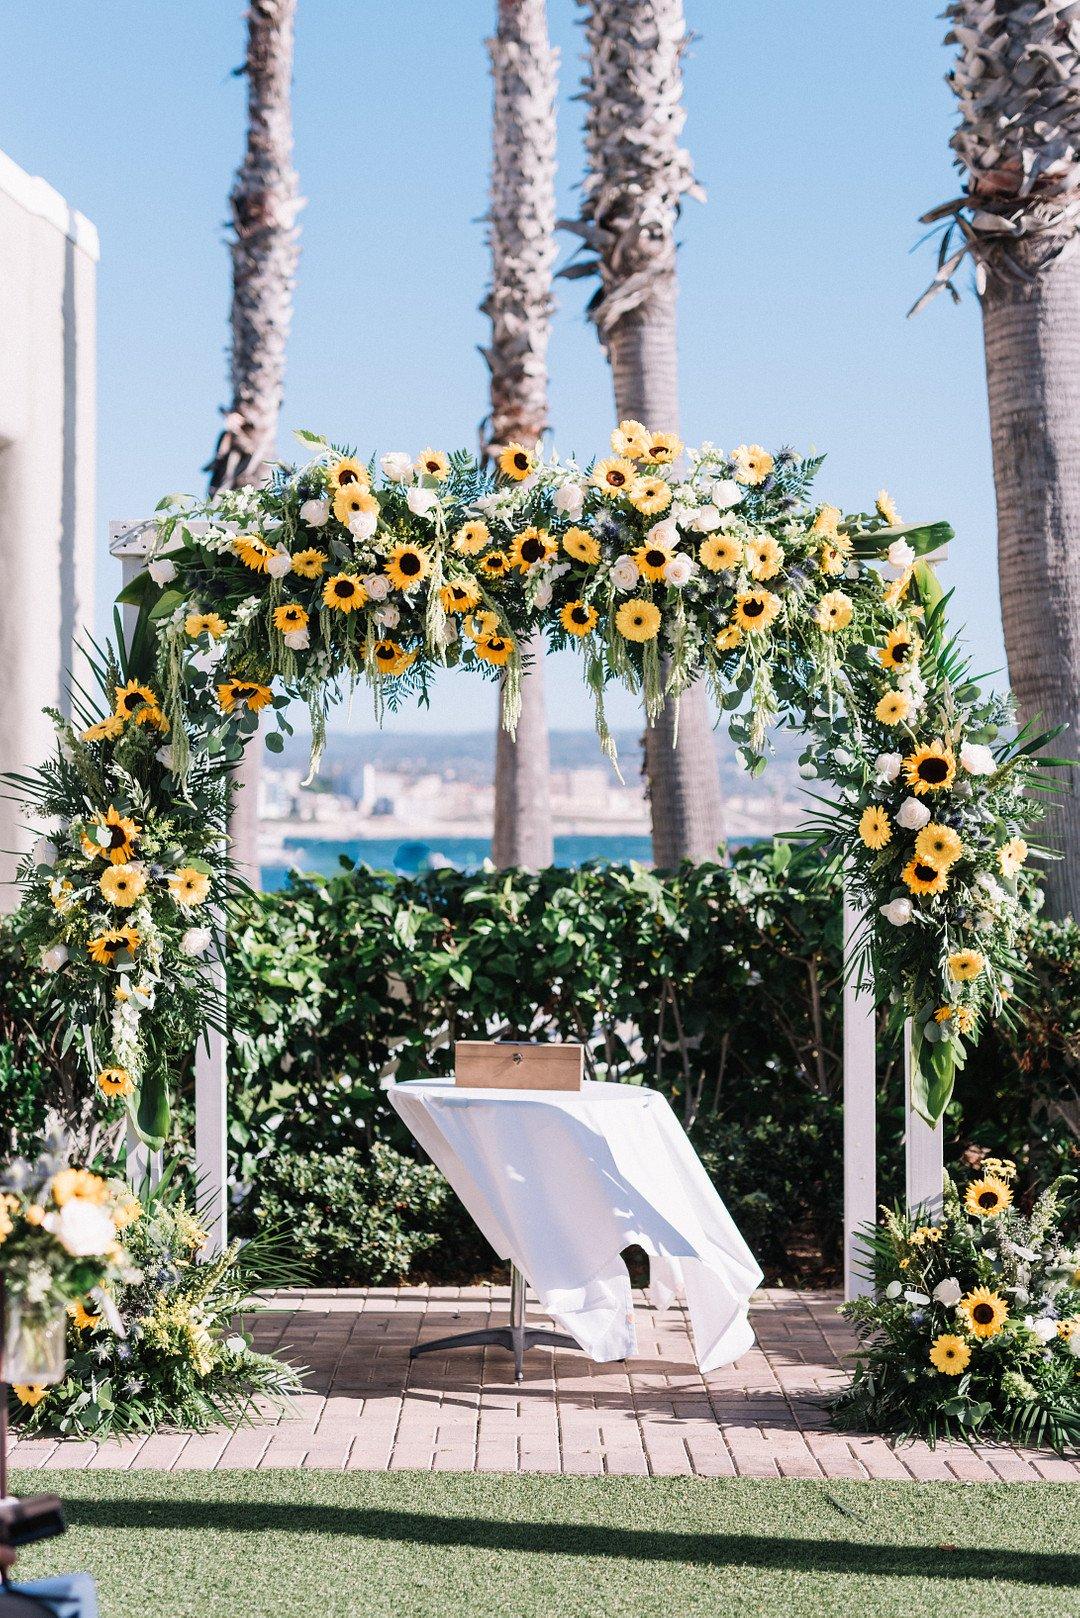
{"points": [[388, 617], [948, 1292], [912, 815], [362, 524], [1072, 1344], [447, 635], [570, 500], [542, 597], [279, 563], [887, 766], [45, 851], [83, 1228], [397, 466], [377, 586], [624, 573], [53, 959], [315, 512], [1043, 1328], [196, 941], [297, 640], [900, 554], [707, 519], [726, 492], [421, 501], [977, 759], [162, 571], [898, 911], [664, 533], [679, 570]]}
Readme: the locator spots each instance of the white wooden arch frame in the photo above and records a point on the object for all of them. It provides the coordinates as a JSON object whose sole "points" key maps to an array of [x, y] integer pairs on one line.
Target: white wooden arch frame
{"points": [[128, 542]]}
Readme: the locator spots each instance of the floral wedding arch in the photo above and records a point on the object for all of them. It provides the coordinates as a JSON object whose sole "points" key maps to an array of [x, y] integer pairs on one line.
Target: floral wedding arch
{"points": [[343, 572]]}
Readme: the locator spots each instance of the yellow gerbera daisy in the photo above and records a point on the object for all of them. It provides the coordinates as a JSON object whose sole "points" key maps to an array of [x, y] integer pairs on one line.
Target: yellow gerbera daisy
{"points": [[123, 835], [252, 551], [460, 595], [516, 462], [532, 546], [614, 476], [407, 566], [930, 769], [432, 463], [650, 496], [965, 965], [343, 593], [965, 1019], [189, 887], [949, 1354], [720, 552], [578, 618], [115, 1081], [471, 538], [630, 439], [122, 885], [106, 730], [833, 612], [875, 828], [832, 560], [107, 946], [921, 877], [638, 620], [663, 448], [290, 617], [764, 557], [940, 845], [581, 545], [986, 1311], [494, 649], [988, 1197], [651, 560], [309, 564], [82, 1317], [827, 521], [351, 499], [886, 508], [755, 610], [390, 658], [348, 472], [752, 463], [1011, 856], [892, 708], [901, 648], [495, 565], [30, 1393], [248, 694], [204, 623], [727, 638]]}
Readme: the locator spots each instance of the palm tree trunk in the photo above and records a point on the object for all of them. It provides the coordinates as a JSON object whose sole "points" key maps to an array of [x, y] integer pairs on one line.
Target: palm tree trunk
{"points": [[521, 222], [1032, 336], [265, 250]]}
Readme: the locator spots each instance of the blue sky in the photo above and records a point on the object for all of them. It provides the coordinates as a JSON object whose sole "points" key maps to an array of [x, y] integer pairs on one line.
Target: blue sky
{"points": [[819, 129]]}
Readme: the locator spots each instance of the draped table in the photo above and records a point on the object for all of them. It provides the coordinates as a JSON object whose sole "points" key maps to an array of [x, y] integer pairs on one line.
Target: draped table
{"points": [[562, 1181]]}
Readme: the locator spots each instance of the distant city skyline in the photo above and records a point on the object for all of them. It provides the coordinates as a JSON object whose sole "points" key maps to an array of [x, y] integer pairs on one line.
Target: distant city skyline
{"points": [[820, 131]]}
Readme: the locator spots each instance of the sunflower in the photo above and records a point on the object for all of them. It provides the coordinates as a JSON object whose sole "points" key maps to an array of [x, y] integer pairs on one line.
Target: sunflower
{"points": [[531, 546], [763, 557], [495, 565], [922, 877], [578, 618], [638, 620], [827, 521], [346, 472], [292, 616], [875, 828], [460, 595], [986, 1311], [833, 612], [886, 508], [343, 593], [901, 648], [83, 1319], [123, 835], [252, 551], [893, 707], [138, 702], [965, 965], [30, 1393], [720, 552], [390, 658], [494, 649], [122, 885], [930, 769], [727, 637], [107, 946], [471, 538], [516, 462], [832, 560], [755, 610], [115, 1081], [1011, 856], [309, 564], [650, 496], [631, 439], [432, 463], [652, 559], [243, 693], [481, 625], [406, 566], [949, 1354], [940, 845], [614, 476], [752, 463], [189, 887], [581, 545], [204, 623], [352, 498], [663, 448], [106, 730], [987, 1198]]}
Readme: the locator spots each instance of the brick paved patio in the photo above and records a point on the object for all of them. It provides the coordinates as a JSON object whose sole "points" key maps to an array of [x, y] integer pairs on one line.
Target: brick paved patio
{"points": [[368, 1408]]}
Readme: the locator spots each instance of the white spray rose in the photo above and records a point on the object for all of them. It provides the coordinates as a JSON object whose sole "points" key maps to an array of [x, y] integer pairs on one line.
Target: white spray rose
{"points": [[315, 512], [196, 941], [887, 766], [624, 573], [679, 570], [726, 492], [948, 1292], [83, 1228], [898, 911], [707, 519], [912, 815], [397, 466], [977, 759], [162, 571], [53, 959], [421, 501], [664, 533], [542, 596], [900, 554], [279, 563], [362, 524], [297, 640], [377, 586], [570, 500]]}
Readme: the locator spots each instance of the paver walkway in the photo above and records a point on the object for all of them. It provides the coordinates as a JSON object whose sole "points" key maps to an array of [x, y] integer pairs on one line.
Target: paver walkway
{"points": [[369, 1408]]}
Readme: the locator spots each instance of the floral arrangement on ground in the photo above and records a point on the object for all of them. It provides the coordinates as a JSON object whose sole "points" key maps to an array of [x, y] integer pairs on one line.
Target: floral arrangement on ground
{"points": [[973, 1330], [339, 572]]}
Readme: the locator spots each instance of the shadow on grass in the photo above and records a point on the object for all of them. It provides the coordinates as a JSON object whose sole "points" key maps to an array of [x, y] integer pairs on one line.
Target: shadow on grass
{"points": [[578, 1539]]}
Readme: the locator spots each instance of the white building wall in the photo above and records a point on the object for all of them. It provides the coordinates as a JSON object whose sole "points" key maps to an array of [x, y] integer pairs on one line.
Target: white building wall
{"points": [[48, 267]]}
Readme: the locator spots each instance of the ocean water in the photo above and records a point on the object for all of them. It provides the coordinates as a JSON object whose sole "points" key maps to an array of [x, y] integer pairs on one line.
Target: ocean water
{"points": [[320, 855]]}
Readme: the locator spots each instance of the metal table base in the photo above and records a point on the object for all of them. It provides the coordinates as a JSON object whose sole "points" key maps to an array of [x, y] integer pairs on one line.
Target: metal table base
{"points": [[516, 1336]]}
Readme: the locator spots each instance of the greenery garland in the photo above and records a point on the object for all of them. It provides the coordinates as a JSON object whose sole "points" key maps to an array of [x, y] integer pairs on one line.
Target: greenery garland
{"points": [[728, 570]]}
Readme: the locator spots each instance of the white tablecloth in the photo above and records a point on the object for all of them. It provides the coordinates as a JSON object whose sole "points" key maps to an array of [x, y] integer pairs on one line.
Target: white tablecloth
{"points": [[562, 1181]]}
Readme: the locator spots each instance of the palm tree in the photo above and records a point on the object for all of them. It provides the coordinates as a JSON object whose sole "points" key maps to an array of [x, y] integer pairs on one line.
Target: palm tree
{"points": [[637, 175], [521, 223], [1017, 79], [265, 249]]}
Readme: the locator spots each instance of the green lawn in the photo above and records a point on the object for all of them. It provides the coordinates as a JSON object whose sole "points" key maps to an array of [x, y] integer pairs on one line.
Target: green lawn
{"points": [[295, 1544]]}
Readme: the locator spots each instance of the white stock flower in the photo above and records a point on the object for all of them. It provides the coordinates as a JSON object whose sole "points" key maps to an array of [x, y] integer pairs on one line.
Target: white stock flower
{"points": [[624, 573], [900, 554], [977, 759], [315, 512], [680, 570], [297, 640], [377, 586], [570, 500], [53, 959], [948, 1292], [898, 911], [887, 766], [726, 492], [196, 941], [162, 571], [397, 466], [421, 501], [362, 524], [83, 1228], [912, 815], [279, 563], [706, 519]]}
